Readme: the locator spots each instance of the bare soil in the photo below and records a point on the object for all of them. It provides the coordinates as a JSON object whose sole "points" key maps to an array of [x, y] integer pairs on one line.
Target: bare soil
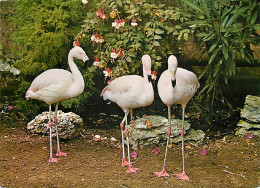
{"points": [[231, 162]]}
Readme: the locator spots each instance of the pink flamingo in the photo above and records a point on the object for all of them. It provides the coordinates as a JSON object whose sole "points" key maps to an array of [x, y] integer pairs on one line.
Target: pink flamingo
{"points": [[129, 92], [56, 85], [176, 86]]}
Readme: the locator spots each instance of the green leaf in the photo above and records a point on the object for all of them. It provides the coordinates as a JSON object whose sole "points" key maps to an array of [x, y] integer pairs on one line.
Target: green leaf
{"points": [[156, 43], [158, 58], [129, 59], [194, 7], [212, 57], [170, 29], [257, 27], [161, 5], [149, 33], [158, 31], [254, 17], [225, 52], [201, 34], [178, 27], [133, 70], [213, 46], [159, 24], [186, 36], [119, 2], [242, 52], [157, 37], [209, 36], [225, 21]]}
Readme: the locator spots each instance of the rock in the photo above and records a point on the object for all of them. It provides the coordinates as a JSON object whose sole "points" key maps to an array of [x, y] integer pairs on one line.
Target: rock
{"points": [[243, 131], [68, 124], [251, 115], [248, 125], [153, 130], [251, 110]]}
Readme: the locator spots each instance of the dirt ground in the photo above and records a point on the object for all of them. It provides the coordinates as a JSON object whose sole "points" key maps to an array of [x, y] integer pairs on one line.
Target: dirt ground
{"points": [[231, 162]]}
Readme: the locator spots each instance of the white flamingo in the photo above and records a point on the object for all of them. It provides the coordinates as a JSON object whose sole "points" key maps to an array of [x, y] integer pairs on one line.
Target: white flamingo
{"points": [[176, 86], [129, 92], [55, 85]]}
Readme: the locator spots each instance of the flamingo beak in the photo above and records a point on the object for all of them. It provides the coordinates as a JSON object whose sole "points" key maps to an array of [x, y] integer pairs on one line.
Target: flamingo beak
{"points": [[85, 58]]}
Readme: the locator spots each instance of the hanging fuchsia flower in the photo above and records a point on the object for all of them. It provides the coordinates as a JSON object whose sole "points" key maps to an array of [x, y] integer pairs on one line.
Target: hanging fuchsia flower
{"points": [[96, 62], [99, 13], [134, 154], [120, 52], [114, 54], [104, 16], [118, 23], [157, 151], [100, 39], [154, 75], [84, 2], [203, 151], [138, 2], [76, 43], [96, 38], [134, 23], [107, 72]]}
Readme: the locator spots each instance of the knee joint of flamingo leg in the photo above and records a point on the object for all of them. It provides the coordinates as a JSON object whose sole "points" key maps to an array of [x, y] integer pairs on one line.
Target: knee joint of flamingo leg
{"points": [[50, 124], [127, 132], [169, 131], [122, 126], [55, 120], [182, 132]]}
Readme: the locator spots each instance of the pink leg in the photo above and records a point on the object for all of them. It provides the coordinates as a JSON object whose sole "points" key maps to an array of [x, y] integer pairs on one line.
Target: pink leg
{"points": [[59, 153], [182, 176], [163, 173], [130, 169], [51, 160], [124, 161]]}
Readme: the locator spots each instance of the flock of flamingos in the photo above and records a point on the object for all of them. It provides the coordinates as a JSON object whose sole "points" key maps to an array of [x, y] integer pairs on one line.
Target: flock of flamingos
{"points": [[175, 86]]}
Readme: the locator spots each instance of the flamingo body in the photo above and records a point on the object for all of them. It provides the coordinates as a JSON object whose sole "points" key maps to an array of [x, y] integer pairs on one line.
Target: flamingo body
{"points": [[56, 85], [185, 86], [129, 92]]}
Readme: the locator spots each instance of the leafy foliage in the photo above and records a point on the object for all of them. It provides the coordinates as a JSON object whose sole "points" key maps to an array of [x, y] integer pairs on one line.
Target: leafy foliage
{"points": [[226, 29], [44, 34], [120, 32]]}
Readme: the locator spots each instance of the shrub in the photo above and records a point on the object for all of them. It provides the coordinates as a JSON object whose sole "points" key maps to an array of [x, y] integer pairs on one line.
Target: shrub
{"points": [[226, 28], [119, 32]]}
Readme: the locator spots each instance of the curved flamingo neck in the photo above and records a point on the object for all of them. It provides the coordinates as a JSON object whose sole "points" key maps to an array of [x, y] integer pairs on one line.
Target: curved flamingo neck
{"points": [[145, 74], [77, 76]]}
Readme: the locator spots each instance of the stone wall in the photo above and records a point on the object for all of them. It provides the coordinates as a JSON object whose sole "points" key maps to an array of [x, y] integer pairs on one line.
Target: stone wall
{"points": [[250, 114]]}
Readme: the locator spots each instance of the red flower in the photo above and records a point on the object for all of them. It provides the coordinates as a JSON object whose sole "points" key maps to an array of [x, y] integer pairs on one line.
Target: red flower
{"points": [[203, 151], [134, 154], [157, 151], [76, 43]]}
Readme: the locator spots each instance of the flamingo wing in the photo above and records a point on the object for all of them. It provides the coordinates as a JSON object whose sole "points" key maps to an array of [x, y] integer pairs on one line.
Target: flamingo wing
{"points": [[125, 90], [50, 86]]}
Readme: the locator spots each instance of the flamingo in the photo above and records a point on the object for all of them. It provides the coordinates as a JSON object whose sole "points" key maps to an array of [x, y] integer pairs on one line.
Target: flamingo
{"points": [[129, 92], [56, 85], [176, 86]]}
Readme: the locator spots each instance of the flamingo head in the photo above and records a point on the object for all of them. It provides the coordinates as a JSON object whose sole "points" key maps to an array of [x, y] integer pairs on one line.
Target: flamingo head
{"points": [[147, 63], [79, 53], [172, 66]]}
